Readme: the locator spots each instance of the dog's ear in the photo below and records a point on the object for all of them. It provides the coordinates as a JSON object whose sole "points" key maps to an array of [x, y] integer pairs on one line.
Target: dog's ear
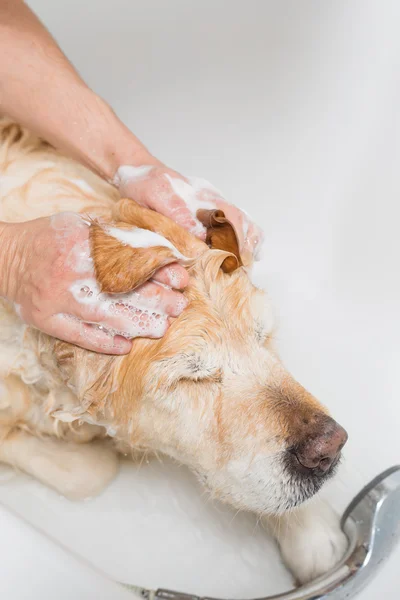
{"points": [[125, 257], [140, 241], [221, 235], [129, 211]]}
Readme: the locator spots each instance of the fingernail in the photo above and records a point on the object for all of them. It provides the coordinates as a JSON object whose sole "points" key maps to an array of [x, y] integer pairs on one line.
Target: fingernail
{"points": [[122, 345], [177, 309], [174, 278], [177, 277], [159, 330]]}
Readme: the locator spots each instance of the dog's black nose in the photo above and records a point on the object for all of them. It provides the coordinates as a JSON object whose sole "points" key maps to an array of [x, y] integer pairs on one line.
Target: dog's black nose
{"points": [[321, 450]]}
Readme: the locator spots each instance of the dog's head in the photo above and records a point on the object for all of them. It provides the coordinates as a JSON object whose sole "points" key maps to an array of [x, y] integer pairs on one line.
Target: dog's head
{"points": [[212, 393]]}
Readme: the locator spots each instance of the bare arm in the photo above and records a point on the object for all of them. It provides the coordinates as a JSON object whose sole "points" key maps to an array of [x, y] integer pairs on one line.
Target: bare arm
{"points": [[40, 89]]}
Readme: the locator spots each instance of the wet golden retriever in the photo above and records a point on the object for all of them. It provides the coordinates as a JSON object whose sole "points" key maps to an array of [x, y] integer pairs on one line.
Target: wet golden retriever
{"points": [[212, 393]]}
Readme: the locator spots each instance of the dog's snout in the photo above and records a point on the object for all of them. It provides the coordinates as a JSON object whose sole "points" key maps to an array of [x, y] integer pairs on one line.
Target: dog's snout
{"points": [[321, 450]]}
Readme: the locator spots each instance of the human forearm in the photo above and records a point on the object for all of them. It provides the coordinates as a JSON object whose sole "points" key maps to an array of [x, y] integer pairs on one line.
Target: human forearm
{"points": [[40, 89]]}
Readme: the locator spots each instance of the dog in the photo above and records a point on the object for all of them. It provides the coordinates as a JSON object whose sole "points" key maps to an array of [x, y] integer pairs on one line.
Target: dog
{"points": [[212, 393]]}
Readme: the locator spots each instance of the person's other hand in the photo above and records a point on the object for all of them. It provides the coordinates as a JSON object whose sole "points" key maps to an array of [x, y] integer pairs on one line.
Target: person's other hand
{"points": [[179, 198], [48, 273]]}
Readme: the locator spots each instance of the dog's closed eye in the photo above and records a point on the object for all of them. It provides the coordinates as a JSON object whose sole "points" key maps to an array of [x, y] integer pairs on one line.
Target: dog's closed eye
{"points": [[192, 366], [201, 370]]}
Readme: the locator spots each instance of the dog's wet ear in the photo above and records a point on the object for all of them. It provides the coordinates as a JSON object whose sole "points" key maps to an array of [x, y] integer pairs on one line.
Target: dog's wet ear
{"points": [[128, 211], [125, 257], [221, 235]]}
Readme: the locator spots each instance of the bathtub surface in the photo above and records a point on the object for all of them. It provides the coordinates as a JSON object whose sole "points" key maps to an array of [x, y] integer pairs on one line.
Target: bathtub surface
{"points": [[291, 108], [32, 566]]}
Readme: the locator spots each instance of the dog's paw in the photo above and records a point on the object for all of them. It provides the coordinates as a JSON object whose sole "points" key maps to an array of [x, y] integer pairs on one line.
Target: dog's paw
{"points": [[76, 471], [313, 542]]}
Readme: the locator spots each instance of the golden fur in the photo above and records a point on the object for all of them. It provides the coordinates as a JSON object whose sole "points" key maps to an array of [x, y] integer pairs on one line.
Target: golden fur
{"points": [[212, 393]]}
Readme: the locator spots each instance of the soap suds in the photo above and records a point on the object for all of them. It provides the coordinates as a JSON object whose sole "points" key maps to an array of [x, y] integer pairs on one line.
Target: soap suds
{"points": [[79, 258], [188, 192], [127, 173], [134, 314], [175, 278], [139, 317], [18, 310], [83, 185], [111, 431], [161, 284], [143, 238], [196, 193], [200, 184], [67, 222]]}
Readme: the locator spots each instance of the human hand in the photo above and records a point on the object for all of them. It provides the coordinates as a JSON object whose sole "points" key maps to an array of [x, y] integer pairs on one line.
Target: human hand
{"points": [[179, 198], [48, 273]]}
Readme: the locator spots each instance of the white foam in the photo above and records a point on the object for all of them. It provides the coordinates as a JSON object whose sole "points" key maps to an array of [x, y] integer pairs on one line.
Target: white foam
{"points": [[18, 310], [201, 194], [66, 223], [188, 192], [200, 184], [197, 194], [143, 238], [161, 284], [138, 316], [128, 173], [111, 431], [175, 277], [83, 185], [79, 258]]}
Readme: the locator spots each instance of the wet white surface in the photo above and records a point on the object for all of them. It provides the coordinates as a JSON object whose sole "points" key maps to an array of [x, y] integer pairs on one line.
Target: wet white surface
{"points": [[51, 571], [291, 109]]}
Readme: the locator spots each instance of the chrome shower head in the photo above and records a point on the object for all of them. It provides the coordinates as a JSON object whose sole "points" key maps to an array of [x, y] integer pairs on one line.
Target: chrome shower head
{"points": [[372, 525]]}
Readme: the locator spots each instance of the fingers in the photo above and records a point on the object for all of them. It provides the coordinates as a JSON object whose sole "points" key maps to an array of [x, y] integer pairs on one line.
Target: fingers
{"points": [[250, 236], [254, 241], [173, 275], [70, 229], [165, 192], [179, 198], [142, 313], [85, 301], [154, 296], [177, 210], [183, 204], [72, 330], [237, 218]]}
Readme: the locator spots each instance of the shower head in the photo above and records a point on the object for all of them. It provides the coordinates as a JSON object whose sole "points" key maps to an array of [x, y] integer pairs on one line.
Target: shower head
{"points": [[372, 525]]}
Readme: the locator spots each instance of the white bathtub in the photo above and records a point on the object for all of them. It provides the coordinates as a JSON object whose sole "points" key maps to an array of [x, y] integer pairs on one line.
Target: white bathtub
{"points": [[34, 567], [292, 109]]}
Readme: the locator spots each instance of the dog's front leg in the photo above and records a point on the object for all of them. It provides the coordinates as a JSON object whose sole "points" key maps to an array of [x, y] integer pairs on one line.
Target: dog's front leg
{"points": [[76, 471], [310, 539]]}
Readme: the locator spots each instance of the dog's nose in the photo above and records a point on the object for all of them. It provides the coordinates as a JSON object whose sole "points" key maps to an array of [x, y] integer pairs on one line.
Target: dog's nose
{"points": [[321, 450]]}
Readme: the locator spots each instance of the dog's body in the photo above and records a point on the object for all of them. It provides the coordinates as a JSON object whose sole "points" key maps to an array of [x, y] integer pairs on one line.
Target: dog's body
{"points": [[212, 393]]}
